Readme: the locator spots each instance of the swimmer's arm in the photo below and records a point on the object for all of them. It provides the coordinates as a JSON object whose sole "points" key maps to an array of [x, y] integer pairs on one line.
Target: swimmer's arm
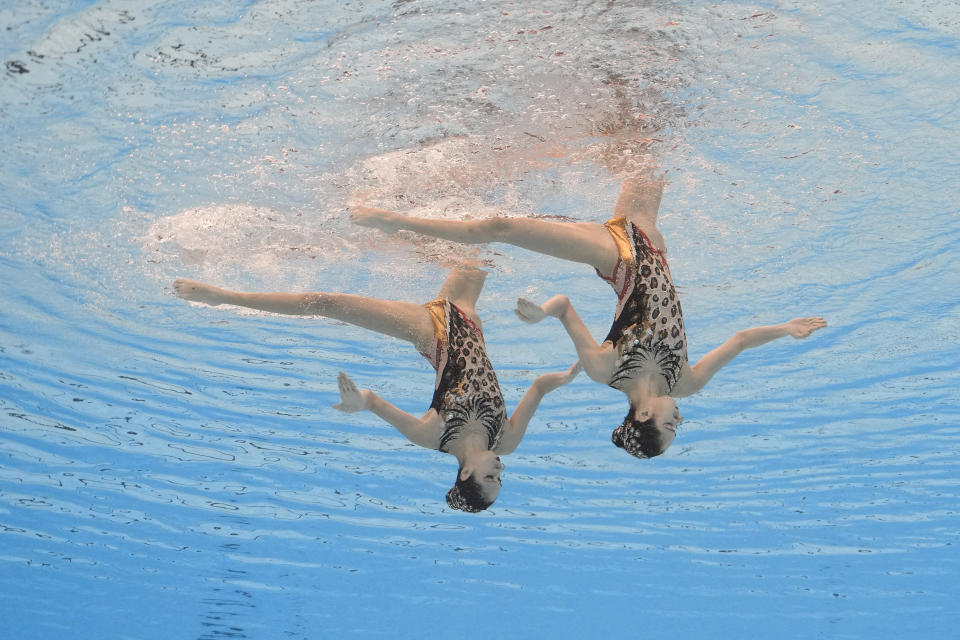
{"points": [[527, 406], [693, 379], [420, 431], [599, 361]]}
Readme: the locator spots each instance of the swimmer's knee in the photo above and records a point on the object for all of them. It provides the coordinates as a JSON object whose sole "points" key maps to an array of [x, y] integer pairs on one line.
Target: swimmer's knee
{"points": [[496, 229]]}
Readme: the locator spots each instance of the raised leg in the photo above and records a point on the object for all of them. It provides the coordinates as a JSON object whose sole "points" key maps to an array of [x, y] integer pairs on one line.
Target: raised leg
{"points": [[639, 202], [462, 287]]}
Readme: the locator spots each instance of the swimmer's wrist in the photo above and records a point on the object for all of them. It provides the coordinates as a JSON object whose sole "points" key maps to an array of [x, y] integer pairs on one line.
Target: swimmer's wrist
{"points": [[369, 399], [557, 306]]}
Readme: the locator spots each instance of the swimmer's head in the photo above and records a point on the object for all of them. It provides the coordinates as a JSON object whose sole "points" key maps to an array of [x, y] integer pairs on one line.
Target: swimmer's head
{"points": [[648, 431], [478, 483]]}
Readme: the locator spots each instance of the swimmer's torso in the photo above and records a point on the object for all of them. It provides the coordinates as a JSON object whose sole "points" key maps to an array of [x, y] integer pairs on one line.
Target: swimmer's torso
{"points": [[647, 332], [467, 389]]}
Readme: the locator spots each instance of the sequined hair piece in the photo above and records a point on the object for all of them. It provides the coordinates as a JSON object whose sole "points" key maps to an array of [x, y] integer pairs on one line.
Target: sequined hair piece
{"points": [[626, 437], [641, 439], [456, 501]]}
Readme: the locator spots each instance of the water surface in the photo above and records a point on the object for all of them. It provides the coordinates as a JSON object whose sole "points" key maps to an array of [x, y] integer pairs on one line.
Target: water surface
{"points": [[173, 471]]}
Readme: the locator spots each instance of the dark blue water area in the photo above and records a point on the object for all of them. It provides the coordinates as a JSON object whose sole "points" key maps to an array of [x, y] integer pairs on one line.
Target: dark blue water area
{"points": [[210, 584]]}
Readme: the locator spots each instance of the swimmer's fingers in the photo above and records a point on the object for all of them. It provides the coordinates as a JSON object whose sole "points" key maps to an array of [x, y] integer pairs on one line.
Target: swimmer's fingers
{"points": [[351, 398], [550, 381], [803, 327], [529, 312], [345, 383], [566, 377], [572, 372]]}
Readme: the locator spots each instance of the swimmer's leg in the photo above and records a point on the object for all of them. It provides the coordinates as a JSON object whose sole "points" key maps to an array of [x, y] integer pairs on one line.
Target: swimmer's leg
{"points": [[639, 202], [404, 320], [584, 242], [462, 287]]}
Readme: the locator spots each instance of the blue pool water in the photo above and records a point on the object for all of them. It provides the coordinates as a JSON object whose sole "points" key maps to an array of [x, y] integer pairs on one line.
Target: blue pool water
{"points": [[176, 471]]}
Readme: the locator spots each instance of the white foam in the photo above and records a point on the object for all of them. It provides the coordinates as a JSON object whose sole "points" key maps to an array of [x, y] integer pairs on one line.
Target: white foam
{"points": [[215, 240]]}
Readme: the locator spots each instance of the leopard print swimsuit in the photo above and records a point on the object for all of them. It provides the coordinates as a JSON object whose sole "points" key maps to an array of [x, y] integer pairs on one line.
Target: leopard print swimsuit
{"points": [[466, 387], [647, 331]]}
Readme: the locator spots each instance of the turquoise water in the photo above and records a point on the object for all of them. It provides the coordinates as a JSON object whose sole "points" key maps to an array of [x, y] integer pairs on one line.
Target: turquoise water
{"points": [[170, 471]]}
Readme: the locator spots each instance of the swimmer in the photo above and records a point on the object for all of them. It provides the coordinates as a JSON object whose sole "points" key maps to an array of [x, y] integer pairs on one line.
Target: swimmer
{"points": [[644, 355], [467, 417]]}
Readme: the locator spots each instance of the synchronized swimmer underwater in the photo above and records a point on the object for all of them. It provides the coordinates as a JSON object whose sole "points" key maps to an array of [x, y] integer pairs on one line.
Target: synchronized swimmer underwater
{"points": [[467, 417], [643, 355]]}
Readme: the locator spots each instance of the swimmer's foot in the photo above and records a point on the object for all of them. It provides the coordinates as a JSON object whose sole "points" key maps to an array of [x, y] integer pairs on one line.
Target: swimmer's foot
{"points": [[382, 219], [199, 292]]}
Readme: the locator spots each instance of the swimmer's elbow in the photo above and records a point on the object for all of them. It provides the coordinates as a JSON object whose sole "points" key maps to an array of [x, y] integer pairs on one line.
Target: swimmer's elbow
{"points": [[598, 372], [598, 363]]}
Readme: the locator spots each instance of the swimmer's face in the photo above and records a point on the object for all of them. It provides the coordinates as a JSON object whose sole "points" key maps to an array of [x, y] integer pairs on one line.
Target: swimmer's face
{"points": [[665, 415], [485, 469]]}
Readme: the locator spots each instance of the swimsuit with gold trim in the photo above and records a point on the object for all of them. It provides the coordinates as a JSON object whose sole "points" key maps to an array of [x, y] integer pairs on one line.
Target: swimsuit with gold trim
{"points": [[467, 389], [647, 331]]}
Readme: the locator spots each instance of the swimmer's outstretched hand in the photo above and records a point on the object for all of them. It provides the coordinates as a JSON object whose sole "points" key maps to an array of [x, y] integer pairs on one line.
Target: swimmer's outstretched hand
{"points": [[803, 327], [351, 398], [529, 312], [199, 292], [532, 313], [382, 219], [567, 376], [547, 382]]}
